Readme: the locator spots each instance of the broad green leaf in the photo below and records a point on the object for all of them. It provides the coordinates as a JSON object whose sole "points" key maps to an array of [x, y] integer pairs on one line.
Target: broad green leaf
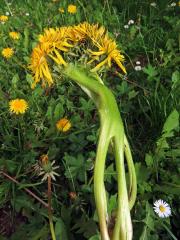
{"points": [[58, 111], [175, 79], [60, 230], [149, 160], [29, 78], [109, 173], [15, 80], [172, 122], [150, 71], [49, 113], [149, 224], [112, 203]]}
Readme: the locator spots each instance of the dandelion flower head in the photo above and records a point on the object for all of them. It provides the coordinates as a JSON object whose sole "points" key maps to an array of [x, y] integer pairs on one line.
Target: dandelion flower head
{"points": [[7, 52], [18, 106], [46, 168], [63, 125], [61, 10], [91, 39], [3, 18], [14, 35], [72, 9], [162, 208]]}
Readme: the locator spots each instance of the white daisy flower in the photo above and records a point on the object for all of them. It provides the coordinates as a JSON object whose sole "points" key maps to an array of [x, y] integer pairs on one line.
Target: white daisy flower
{"points": [[153, 4], [126, 26], [138, 62], [173, 4], [137, 68], [7, 13], [131, 22], [162, 208]]}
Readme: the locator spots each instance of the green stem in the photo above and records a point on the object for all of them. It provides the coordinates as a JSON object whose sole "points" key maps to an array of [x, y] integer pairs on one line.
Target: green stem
{"points": [[50, 210], [132, 174], [123, 226], [99, 188], [169, 231]]}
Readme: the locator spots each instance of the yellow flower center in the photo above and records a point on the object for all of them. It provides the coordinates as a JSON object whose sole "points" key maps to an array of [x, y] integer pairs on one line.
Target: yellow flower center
{"points": [[162, 208]]}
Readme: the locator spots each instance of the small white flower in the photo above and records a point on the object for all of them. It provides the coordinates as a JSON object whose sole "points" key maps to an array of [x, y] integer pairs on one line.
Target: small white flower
{"points": [[173, 4], [126, 26], [162, 208], [153, 4], [7, 13], [131, 22], [27, 14], [137, 68], [138, 62]]}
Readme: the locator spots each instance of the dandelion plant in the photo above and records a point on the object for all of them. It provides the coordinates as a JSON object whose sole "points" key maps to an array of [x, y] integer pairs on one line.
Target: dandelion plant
{"points": [[93, 49]]}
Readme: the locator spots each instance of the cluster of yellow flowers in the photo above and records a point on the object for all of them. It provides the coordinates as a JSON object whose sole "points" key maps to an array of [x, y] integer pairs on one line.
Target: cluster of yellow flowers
{"points": [[55, 42], [72, 9]]}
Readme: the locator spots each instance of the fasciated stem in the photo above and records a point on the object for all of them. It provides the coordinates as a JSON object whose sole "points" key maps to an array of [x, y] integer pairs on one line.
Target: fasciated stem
{"points": [[111, 129]]}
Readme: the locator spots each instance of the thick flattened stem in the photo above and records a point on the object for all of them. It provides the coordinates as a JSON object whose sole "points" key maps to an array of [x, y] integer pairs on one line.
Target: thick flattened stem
{"points": [[123, 225], [99, 188], [132, 173]]}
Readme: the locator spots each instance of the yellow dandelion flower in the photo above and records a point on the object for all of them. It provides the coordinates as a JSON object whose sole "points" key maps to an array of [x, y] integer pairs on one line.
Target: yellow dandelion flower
{"points": [[72, 9], [7, 52], [3, 18], [14, 35], [63, 125], [51, 43], [18, 106], [39, 65], [61, 10], [106, 46]]}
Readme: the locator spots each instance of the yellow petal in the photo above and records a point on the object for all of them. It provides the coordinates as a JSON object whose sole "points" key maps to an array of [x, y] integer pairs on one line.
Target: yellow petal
{"points": [[99, 65]]}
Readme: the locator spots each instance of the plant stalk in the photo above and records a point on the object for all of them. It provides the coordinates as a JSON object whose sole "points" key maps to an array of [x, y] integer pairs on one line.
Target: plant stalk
{"points": [[50, 215]]}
